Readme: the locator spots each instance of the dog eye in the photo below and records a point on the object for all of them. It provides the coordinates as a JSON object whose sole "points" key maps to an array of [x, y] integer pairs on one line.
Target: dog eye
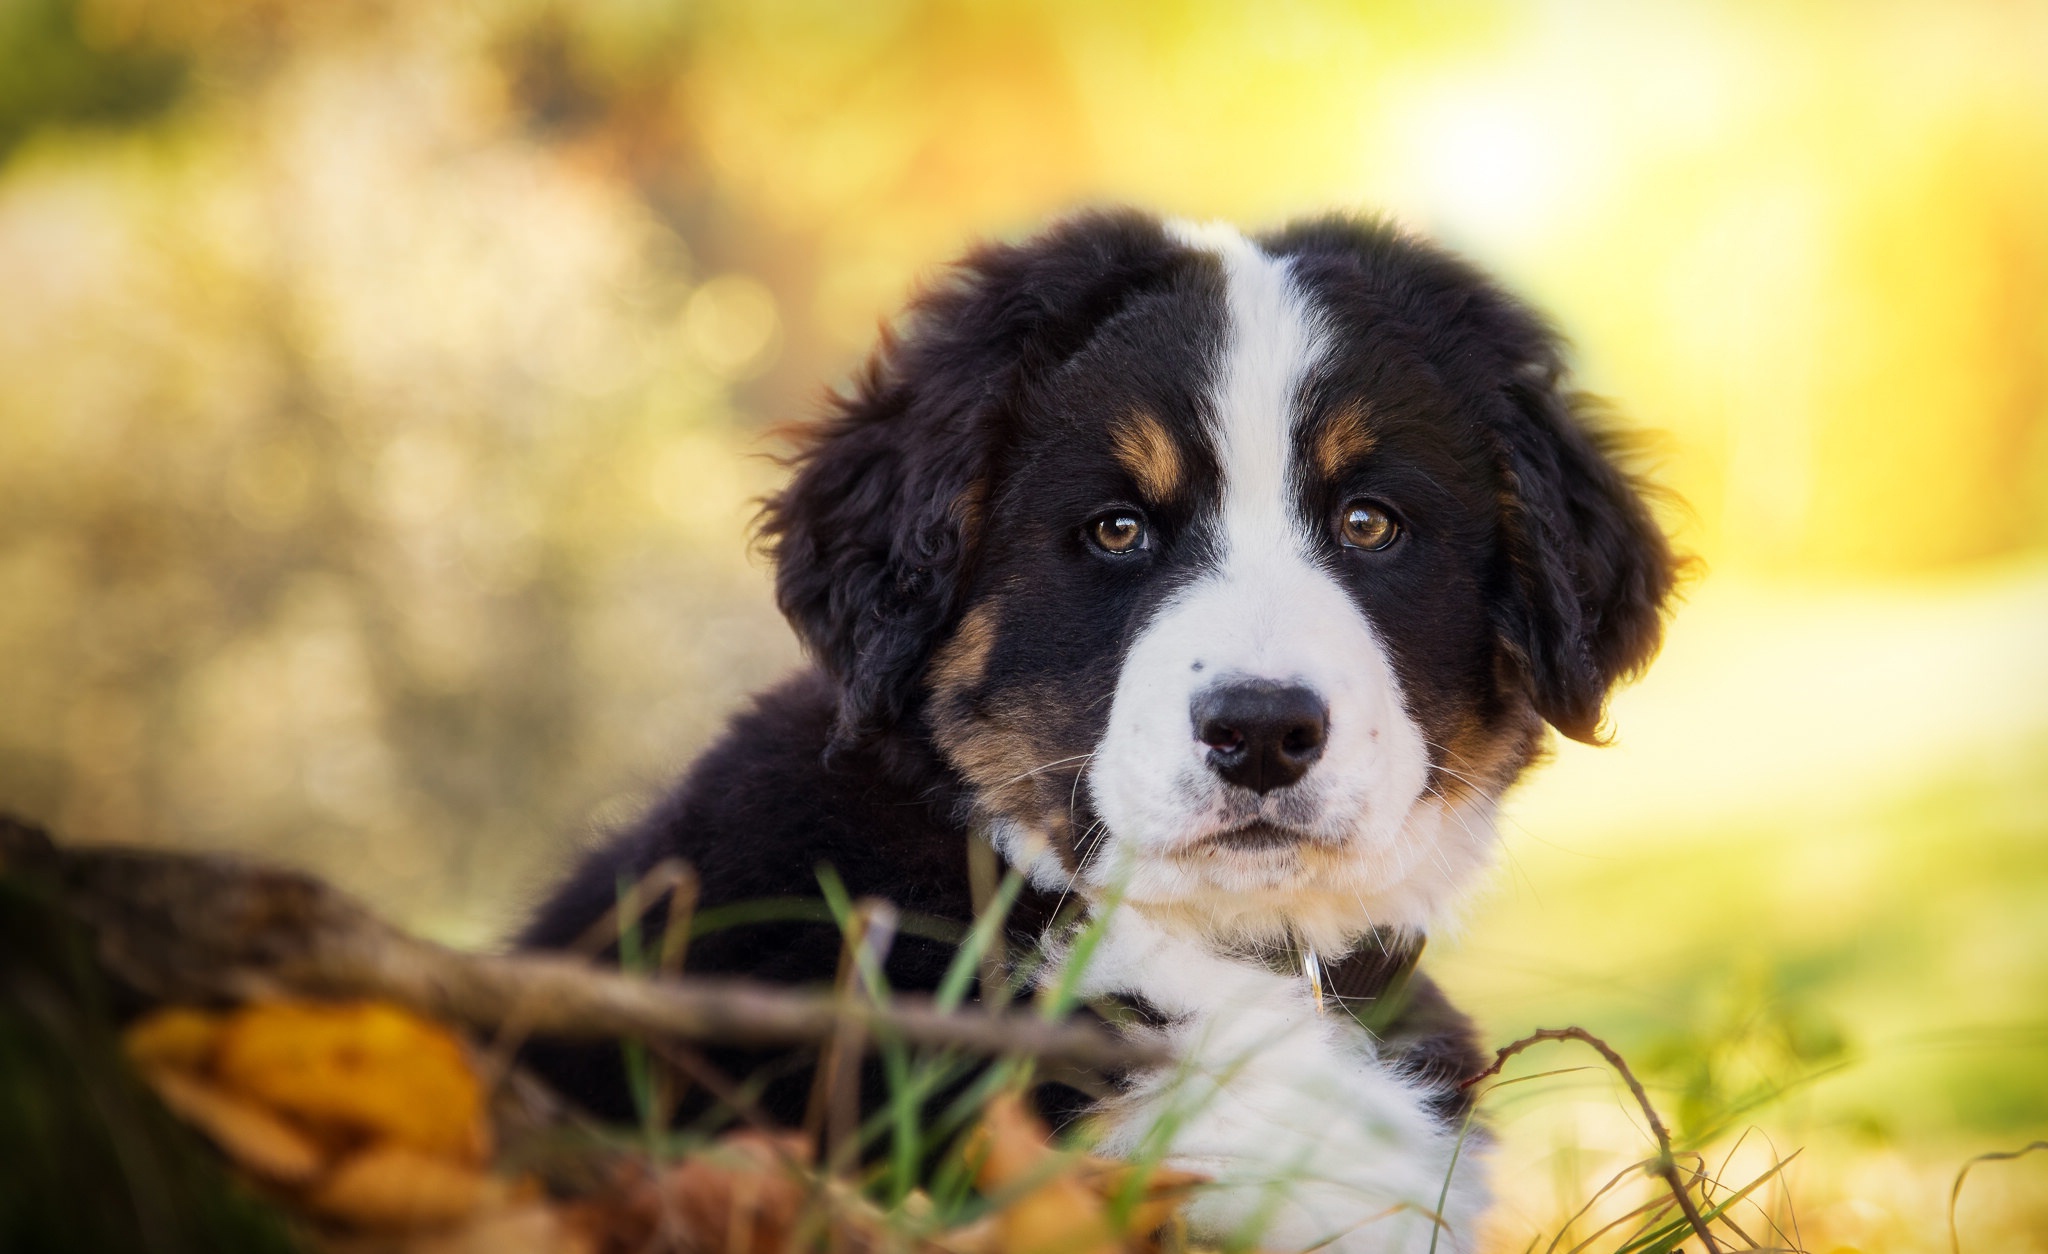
{"points": [[1119, 531], [1366, 525]]}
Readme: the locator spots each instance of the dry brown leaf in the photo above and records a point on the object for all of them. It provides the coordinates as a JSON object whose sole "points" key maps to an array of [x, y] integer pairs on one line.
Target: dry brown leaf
{"points": [[354, 1072], [284, 1087], [746, 1195], [983, 1236], [255, 1139], [1161, 1190], [397, 1187], [1057, 1212], [1070, 1202]]}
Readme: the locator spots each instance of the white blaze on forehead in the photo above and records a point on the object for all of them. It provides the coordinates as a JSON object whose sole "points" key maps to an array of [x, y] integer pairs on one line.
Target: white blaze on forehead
{"points": [[1271, 604], [1267, 607], [1274, 341]]}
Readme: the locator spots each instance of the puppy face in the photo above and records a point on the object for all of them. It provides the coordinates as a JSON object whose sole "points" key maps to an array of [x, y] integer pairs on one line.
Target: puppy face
{"points": [[1240, 596]]}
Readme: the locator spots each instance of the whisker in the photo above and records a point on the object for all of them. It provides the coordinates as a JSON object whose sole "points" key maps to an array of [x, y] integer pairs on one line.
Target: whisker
{"points": [[1074, 793], [1477, 786], [1036, 770], [1371, 929], [1457, 812], [1080, 864], [1453, 772]]}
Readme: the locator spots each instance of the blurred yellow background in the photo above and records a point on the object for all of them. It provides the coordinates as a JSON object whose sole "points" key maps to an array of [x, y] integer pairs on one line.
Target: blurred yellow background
{"points": [[383, 389]]}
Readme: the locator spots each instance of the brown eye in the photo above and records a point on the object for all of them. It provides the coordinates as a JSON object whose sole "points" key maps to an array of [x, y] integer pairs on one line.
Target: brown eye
{"points": [[1119, 531], [1365, 525]]}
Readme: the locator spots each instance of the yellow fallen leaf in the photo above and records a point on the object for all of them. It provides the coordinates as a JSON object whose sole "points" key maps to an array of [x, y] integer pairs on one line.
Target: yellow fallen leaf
{"points": [[254, 1138], [358, 1072], [396, 1187], [176, 1036], [527, 1227], [1060, 1216]]}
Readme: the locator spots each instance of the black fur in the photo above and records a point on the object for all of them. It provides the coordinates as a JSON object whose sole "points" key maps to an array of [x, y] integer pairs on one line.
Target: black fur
{"points": [[952, 478], [878, 531], [756, 818]]}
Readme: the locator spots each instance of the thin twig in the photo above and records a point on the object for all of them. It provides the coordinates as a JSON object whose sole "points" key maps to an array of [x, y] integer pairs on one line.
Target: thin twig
{"points": [[715, 1082], [193, 928], [668, 964], [1666, 1165], [1955, 1244], [664, 878]]}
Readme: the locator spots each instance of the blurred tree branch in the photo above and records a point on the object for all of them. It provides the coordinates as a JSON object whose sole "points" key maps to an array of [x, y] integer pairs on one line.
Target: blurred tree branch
{"points": [[195, 928]]}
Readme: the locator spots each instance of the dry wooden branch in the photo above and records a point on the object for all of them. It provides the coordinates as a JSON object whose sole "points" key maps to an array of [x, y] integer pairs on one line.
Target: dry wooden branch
{"points": [[1666, 1164], [196, 928], [1955, 1193]]}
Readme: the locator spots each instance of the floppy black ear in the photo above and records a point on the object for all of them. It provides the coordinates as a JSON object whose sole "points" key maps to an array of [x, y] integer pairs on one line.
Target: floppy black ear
{"points": [[1589, 570], [876, 535], [1591, 567]]}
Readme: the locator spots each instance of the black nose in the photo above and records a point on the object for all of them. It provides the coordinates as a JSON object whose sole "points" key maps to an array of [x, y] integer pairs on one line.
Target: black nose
{"points": [[1261, 735]]}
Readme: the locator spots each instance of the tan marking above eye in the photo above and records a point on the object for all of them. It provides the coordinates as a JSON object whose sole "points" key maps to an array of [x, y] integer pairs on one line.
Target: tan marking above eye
{"points": [[1346, 438], [1143, 448], [1366, 525]]}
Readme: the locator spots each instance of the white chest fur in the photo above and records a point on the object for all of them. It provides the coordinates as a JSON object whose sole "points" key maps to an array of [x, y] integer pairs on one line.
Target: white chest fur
{"points": [[1311, 1139]]}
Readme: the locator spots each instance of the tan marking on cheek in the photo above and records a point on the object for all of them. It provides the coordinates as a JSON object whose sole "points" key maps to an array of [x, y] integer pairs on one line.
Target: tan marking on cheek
{"points": [[1346, 437], [1014, 772], [997, 744], [1482, 758], [962, 660], [1145, 449]]}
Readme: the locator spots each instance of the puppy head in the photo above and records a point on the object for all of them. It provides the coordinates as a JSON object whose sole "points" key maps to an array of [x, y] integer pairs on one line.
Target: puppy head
{"points": [[1240, 574]]}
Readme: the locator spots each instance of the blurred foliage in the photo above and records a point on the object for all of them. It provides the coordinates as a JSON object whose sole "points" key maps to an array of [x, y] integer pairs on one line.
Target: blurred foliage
{"points": [[1862, 978], [367, 476], [383, 389], [1730, 957], [1745, 1040], [56, 72]]}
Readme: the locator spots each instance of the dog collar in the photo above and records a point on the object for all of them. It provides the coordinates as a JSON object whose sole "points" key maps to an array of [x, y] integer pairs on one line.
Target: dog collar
{"points": [[1370, 983]]}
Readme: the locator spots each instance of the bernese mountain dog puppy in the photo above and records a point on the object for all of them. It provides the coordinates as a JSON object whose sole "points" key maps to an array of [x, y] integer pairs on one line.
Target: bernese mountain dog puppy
{"points": [[1221, 584]]}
